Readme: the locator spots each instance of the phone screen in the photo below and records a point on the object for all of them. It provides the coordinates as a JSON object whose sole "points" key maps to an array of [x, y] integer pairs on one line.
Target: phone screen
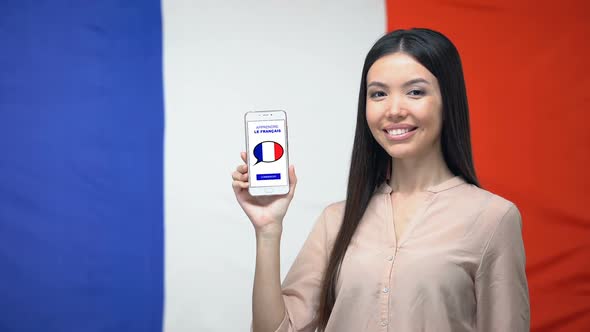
{"points": [[268, 153]]}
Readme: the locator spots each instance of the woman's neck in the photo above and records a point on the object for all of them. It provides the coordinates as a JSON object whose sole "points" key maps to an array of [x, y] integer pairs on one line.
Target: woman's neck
{"points": [[419, 174]]}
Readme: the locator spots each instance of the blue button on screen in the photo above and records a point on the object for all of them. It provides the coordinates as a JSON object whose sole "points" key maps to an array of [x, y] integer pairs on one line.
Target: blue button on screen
{"points": [[271, 176]]}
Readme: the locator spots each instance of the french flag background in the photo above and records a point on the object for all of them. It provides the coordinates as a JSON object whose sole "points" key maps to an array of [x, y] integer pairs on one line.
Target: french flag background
{"points": [[121, 122], [268, 151]]}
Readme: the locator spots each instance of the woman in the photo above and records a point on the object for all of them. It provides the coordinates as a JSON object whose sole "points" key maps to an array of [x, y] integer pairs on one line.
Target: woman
{"points": [[418, 246]]}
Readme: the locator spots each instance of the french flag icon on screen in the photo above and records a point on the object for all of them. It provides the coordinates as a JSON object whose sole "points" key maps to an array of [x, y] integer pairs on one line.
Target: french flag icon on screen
{"points": [[268, 152]]}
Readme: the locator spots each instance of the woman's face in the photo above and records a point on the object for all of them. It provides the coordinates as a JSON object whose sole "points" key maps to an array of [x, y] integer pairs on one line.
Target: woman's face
{"points": [[404, 107]]}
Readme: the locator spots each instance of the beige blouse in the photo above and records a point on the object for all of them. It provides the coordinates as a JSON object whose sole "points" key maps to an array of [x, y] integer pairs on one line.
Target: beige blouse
{"points": [[459, 266]]}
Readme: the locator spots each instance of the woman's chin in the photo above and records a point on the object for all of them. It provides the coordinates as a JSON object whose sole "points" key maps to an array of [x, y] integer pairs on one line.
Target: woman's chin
{"points": [[398, 153]]}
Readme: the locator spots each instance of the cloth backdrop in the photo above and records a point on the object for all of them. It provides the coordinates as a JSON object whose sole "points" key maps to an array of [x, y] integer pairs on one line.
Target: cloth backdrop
{"points": [[121, 122]]}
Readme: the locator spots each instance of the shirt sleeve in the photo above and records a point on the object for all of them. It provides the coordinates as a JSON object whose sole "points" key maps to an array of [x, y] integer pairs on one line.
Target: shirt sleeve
{"points": [[301, 287], [500, 284]]}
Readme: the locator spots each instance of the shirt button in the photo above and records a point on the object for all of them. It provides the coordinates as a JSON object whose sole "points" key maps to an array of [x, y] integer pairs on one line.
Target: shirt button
{"points": [[384, 323], [385, 290], [390, 258]]}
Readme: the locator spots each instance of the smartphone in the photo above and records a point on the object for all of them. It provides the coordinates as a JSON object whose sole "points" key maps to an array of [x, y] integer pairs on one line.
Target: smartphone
{"points": [[268, 153]]}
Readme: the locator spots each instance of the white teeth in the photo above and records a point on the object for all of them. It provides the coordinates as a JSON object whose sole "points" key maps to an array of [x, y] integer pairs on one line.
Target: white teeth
{"points": [[397, 132]]}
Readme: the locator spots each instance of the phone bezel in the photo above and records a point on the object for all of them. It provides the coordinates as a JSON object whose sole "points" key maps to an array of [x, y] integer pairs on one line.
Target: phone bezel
{"points": [[265, 116]]}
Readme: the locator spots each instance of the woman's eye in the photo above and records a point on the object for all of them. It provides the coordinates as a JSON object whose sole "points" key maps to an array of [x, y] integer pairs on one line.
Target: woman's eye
{"points": [[377, 94], [416, 92]]}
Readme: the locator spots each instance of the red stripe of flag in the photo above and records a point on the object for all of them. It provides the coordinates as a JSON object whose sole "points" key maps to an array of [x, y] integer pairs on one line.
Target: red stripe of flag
{"points": [[526, 66], [278, 151]]}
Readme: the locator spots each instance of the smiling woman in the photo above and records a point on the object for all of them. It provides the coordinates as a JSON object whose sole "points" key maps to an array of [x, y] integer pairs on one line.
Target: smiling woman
{"points": [[417, 245], [404, 107]]}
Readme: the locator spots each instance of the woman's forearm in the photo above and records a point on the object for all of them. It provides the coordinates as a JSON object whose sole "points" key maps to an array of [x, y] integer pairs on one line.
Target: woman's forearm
{"points": [[268, 307]]}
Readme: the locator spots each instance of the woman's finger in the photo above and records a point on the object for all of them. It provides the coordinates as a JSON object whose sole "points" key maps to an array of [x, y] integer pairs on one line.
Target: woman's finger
{"points": [[242, 168], [239, 176], [243, 155], [239, 184]]}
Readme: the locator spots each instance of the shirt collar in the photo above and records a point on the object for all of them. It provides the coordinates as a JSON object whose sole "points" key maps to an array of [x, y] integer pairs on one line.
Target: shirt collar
{"points": [[445, 185]]}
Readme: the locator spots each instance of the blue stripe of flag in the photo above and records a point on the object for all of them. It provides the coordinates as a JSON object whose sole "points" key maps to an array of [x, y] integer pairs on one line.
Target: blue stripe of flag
{"points": [[81, 140]]}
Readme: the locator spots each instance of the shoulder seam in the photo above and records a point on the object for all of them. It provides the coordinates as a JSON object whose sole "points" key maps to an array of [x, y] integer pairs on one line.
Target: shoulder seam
{"points": [[325, 230], [487, 245]]}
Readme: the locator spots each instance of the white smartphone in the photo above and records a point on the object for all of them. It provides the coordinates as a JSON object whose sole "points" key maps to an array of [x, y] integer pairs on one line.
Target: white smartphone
{"points": [[267, 150]]}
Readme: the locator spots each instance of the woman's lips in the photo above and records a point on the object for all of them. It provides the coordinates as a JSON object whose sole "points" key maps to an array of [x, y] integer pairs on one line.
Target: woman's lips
{"points": [[400, 134]]}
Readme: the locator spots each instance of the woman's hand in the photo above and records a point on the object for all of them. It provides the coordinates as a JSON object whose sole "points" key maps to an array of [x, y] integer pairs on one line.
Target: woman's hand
{"points": [[265, 212]]}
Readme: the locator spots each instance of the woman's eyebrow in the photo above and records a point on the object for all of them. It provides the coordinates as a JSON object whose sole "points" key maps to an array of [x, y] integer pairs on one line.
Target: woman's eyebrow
{"points": [[377, 84], [406, 84], [414, 81]]}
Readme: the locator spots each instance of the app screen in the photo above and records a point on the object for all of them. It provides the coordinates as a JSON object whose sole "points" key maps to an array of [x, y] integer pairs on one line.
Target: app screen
{"points": [[268, 153]]}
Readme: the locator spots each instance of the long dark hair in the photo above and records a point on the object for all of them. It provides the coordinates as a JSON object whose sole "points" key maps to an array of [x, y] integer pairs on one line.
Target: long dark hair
{"points": [[369, 164]]}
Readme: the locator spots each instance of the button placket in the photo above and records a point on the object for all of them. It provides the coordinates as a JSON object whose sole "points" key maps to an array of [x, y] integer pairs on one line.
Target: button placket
{"points": [[386, 289]]}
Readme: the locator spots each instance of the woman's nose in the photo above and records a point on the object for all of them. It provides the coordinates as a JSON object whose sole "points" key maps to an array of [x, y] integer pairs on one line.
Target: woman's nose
{"points": [[396, 108]]}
